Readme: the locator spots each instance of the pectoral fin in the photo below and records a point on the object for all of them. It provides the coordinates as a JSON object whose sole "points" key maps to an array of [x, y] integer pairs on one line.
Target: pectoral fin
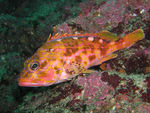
{"points": [[100, 61], [108, 57], [75, 68], [89, 71]]}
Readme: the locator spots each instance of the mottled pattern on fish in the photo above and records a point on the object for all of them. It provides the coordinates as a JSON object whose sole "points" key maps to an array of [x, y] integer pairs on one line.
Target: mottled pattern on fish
{"points": [[66, 56]]}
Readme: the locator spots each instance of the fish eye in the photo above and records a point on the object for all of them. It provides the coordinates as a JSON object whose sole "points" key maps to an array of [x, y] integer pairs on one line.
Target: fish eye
{"points": [[34, 66]]}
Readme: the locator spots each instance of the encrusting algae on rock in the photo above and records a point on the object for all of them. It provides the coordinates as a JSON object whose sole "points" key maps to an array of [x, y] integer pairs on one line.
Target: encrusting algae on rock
{"points": [[63, 57]]}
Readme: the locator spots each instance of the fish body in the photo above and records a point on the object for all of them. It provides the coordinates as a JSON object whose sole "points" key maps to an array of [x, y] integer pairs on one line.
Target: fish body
{"points": [[66, 56]]}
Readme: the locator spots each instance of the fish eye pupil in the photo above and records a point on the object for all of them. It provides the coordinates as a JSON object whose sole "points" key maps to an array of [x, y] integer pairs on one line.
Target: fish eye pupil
{"points": [[34, 66]]}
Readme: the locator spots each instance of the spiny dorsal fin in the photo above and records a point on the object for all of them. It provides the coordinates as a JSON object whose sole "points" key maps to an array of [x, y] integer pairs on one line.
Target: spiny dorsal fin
{"points": [[58, 36], [49, 37], [104, 34], [52, 37]]}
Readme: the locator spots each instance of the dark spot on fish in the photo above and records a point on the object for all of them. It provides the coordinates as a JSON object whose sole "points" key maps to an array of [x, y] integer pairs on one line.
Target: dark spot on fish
{"points": [[56, 68], [74, 43], [85, 62], [91, 47], [57, 71], [92, 50], [68, 52], [67, 42], [70, 43], [103, 52], [43, 65], [92, 57], [84, 50], [74, 50], [62, 61], [70, 71], [42, 73], [102, 49], [78, 59]]}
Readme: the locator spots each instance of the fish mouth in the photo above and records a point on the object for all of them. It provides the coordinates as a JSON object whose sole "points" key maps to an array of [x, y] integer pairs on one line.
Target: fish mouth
{"points": [[29, 83]]}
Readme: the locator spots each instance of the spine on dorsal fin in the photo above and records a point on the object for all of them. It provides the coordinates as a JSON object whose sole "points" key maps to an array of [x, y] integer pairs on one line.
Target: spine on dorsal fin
{"points": [[58, 36]]}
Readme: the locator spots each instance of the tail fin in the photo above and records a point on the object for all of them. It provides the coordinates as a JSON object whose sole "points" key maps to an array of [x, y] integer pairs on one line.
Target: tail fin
{"points": [[127, 41]]}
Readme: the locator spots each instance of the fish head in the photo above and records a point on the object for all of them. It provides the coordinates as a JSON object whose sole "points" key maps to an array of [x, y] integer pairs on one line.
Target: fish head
{"points": [[36, 72]]}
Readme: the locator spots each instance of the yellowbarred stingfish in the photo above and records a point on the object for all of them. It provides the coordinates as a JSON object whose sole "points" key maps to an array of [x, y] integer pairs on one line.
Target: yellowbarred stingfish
{"points": [[65, 56]]}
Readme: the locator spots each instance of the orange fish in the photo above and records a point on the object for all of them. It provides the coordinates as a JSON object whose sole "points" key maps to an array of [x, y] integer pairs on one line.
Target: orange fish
{"points": [[66, 56]]}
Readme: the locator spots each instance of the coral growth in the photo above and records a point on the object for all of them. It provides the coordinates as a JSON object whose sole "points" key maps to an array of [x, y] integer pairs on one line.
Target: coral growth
{"points": [[95, 90], [109, 15]]}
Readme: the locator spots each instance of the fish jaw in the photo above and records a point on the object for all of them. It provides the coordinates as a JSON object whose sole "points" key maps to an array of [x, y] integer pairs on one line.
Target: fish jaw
{"points": [[34, 83], [29, 83], [37, 80]]}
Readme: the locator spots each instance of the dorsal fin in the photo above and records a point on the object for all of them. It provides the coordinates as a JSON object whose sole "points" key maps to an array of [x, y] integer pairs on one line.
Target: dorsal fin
{"points": [[104, 34], [50, 37], [57, 35]]}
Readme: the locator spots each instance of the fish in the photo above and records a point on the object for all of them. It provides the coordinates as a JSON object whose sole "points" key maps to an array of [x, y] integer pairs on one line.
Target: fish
{"points": [[66, 56]]}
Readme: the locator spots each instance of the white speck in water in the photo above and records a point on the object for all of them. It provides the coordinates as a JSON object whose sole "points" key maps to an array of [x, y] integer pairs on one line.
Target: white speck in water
{"points": [[142, 11], [134, 14]]}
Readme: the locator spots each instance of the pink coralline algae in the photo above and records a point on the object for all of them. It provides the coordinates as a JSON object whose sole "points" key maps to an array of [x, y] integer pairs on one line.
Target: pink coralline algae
{"points": [[113, 80], [139, 62], [95, 90], [147, 51], [64, 28], [96, 16], [146, 96], [144, 108]]}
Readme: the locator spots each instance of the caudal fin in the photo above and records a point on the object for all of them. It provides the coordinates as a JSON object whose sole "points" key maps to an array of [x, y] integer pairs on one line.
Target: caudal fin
{"points": [[130, 39], [127, 41]]}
